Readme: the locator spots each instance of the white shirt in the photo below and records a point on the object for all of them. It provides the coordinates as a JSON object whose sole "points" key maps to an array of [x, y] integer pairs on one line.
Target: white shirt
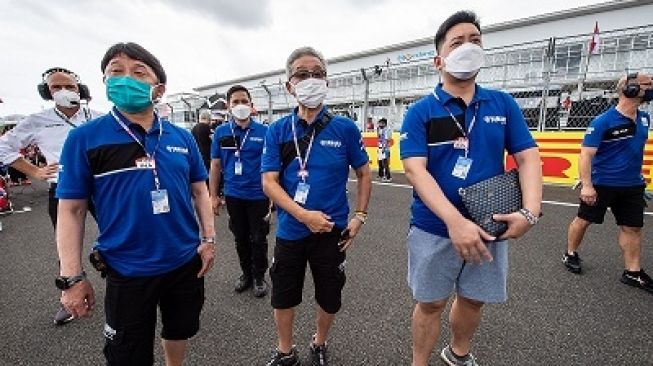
{"points": [[46, 129]]}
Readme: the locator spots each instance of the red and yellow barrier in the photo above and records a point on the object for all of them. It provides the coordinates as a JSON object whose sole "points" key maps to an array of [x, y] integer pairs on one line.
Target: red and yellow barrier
{"points": [[559, 151]]}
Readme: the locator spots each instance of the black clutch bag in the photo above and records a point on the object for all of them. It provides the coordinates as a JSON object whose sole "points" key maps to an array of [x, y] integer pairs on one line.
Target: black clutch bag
{"points": [[500, 194]]}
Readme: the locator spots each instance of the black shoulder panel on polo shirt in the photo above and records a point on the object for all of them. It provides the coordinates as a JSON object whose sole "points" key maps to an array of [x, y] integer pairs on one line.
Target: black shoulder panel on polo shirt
{"points": [[229, 141], [443, 129], [620, 132], [108, 158]]}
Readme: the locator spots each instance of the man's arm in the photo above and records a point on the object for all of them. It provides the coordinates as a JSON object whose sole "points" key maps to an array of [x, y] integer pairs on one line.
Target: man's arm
{"points": [[363, 192], [316, 221], [41, 173], [203, 210], [466, 237], [71, 216], [587, 191], [214, 185]]}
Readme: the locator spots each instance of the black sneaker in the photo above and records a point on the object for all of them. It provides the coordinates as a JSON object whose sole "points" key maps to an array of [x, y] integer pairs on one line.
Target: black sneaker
{"points": [[319, 355], [285, 359], [243, 283], [572, 262], [63, 317], [260, 287], [642, 280]]}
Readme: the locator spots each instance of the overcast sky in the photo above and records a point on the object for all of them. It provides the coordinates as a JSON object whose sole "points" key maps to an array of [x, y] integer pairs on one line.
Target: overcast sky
{"points": [[204, 41]]}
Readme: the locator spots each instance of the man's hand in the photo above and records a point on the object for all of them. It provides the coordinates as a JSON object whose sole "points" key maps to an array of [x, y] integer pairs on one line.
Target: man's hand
{"points": [[216, 204], [47, 172], [317, 222], [207, 253], [354, 226], [588, 194], [79, 300], [517, 224], [467, 238]]}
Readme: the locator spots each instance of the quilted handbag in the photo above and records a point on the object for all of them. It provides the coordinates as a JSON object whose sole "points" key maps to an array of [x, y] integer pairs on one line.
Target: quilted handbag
{"points": [[500, 194]]}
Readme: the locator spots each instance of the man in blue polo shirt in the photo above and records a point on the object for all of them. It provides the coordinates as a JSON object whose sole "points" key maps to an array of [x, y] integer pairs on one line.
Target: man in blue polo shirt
{"points": [[143, 174], [236, 151], [305, 167], [453, 138], [610, 168]]}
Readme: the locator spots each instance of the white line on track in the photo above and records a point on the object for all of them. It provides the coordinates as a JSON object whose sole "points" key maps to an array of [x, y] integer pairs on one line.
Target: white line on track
{"points": [[553, 203]]}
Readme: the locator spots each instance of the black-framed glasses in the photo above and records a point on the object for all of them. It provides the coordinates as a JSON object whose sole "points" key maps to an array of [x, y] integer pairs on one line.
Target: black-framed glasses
{"points": [[305, 74]]}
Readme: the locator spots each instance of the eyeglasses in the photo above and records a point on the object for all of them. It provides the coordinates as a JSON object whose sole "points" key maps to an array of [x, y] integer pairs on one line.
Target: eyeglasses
{"points": [[305, 74]]}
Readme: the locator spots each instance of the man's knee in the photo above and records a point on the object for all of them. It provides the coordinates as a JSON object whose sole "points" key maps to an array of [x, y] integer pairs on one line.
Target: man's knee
{"points": [[580, 223], [629, 230], [475, 304], [429, 308]]}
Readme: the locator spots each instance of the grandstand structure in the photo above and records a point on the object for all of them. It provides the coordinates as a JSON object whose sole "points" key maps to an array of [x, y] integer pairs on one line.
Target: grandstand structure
{"points": [[544, 61]]}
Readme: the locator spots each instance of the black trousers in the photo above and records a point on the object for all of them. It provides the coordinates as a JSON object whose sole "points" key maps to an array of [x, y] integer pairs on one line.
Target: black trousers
{"points": [[384, 169], [53, 204], [247, 223]]}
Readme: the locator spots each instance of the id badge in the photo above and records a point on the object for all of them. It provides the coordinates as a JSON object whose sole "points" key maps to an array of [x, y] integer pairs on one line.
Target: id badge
{"points": [[238, 167], [301, 194], [160, 202], [461, 169], [145, 163], [460, 143]]}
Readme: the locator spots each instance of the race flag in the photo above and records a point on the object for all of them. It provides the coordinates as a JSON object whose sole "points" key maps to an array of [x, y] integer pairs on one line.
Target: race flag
{"points": [[595, 41]]}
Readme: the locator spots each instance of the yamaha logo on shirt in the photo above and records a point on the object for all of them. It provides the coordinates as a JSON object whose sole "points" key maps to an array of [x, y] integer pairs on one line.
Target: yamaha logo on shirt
{"points": [[644, 121], [331, 143], [403, 136], [256, 139], [589, 130], [177, 149], [495, 119], [50, 125]]}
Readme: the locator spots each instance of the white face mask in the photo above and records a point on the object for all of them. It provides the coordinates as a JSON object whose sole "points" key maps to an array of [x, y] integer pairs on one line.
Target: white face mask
{"points": [[464, 62], [66, 98], [311, 92], [241, 111]]}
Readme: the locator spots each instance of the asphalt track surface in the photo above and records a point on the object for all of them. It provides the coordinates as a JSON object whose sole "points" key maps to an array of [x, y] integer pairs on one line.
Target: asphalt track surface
{"points": [[552, 317]]}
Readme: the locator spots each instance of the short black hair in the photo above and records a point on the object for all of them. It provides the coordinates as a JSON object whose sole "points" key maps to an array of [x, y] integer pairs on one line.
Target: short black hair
{"points": [[383, 120], [463, 16], [237, 88], [136, 52]]}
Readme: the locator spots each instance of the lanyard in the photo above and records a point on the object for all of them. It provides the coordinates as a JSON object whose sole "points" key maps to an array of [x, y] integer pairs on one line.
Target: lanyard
{"points": [[151, 157], [303, 173], [467, 133], [64, 118], [242, 143]]}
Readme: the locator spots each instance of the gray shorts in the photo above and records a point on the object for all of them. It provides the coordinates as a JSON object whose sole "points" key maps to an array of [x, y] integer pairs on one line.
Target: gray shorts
{"points": [[435, 270]]}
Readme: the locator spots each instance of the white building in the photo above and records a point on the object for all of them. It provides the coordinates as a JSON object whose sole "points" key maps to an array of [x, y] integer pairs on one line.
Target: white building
{"points": [[539, 59]]}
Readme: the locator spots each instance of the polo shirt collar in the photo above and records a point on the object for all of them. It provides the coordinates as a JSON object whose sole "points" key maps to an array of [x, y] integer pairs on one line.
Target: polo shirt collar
{"points": [[304, 123], [235, 125], [480, 94], [155, 126]]}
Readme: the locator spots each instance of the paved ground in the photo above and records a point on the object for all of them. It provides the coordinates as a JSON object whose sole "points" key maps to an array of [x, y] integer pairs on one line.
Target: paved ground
{"points": [[552, 317]]}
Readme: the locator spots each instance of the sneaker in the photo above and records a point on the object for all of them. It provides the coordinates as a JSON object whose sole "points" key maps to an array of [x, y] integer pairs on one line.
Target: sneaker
{"points": [[284, 359], [260, 287], [63, 316], [642, 280], [388, 180], [450, 359], [243, 283], [319, 355], [572, 262]]}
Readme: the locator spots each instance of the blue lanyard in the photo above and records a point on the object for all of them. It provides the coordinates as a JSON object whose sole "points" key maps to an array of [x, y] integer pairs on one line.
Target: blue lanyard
{"points": [[242, 143], [467, 133], [151, 157]]}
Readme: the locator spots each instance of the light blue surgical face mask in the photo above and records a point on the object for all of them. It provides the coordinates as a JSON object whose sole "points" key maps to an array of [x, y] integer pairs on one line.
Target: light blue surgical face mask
{"points": [[128, 94]]}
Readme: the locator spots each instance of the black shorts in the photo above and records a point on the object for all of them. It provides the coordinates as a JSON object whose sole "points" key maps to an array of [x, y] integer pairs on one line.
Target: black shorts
{"points": [[627, 205], [327, 264], [131, 307]]}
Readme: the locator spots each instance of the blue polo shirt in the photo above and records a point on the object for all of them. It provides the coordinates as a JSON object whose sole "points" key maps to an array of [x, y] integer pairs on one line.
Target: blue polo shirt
{"points": [[620, 148], [337, 147], [429, 131], [99, 161], [250, 141]]}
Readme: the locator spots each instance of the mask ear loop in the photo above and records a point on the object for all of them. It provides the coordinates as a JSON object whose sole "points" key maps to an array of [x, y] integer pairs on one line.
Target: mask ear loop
{"points": [[152, 99]]}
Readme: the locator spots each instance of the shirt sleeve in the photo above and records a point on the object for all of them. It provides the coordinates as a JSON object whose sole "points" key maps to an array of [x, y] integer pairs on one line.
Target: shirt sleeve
{"points": [[412, 140], [518, 137], [16, 139], [197, 169], [75, 177], [271, 160], [356, 153], [594, 133]]}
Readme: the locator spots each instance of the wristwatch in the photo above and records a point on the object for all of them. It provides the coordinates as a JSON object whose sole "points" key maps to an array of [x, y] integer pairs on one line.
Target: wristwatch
{"points": [[64, 283], [530, 217], [208, 239]]}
